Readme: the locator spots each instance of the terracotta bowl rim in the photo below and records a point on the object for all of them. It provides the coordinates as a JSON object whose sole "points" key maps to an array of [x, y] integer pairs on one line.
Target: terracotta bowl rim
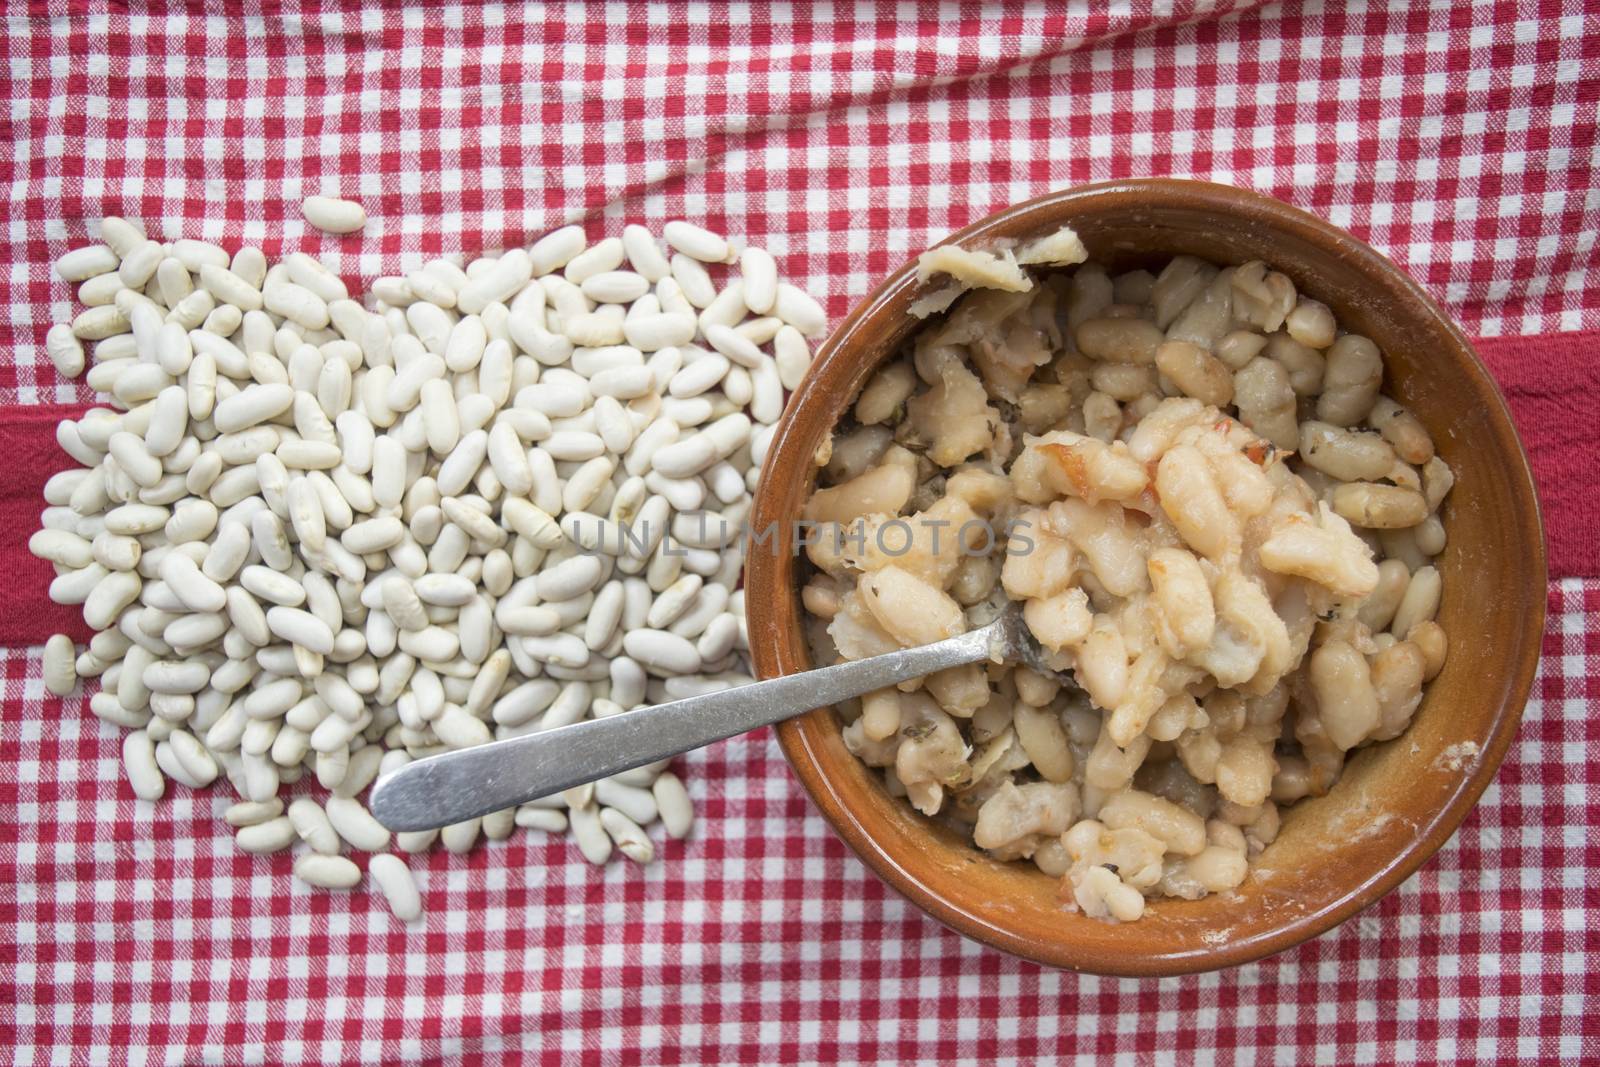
{"points": [[857, 331]]}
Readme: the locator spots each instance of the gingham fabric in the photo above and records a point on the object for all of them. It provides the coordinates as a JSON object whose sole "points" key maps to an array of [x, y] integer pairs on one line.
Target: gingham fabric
{"points": [[1460, 139]]}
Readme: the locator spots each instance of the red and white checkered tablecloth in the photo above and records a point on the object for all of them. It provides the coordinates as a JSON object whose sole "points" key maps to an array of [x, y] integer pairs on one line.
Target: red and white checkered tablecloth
{"points": [[1459, 138]]}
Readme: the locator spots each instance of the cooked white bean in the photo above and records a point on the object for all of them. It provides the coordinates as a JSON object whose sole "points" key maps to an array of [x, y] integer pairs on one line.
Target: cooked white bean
{"points": [[1350, 385], [1231, 503], [1420, 602]]}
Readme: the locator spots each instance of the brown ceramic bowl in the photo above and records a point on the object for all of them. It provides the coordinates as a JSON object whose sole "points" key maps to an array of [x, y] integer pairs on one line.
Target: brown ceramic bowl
{"points": [[1397, 802]]}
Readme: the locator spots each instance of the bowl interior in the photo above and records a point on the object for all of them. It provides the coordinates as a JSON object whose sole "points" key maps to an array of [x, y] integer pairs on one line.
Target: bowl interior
{"points": [[1396, 802]]}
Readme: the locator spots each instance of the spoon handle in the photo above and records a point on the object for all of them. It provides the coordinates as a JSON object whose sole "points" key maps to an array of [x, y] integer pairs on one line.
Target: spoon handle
{"points": [[470, 782]]}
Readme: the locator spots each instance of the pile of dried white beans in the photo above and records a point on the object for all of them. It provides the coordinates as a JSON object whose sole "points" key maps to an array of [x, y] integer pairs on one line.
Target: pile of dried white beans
{"points": [[320, 541]]}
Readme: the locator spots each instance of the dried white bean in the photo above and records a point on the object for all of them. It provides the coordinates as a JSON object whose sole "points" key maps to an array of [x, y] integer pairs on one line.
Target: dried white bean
{"points": [[499, 282], [139, 762], [399, 889], [460, 837], [614, 286], [274, 835], [323, 534], [644, 254], [556, 249], [60, 672], [792, 355], [633, 801], [699, 375], [674, 805], [797, 308], [332, 215], [592, 839], [86, 262], [760, 272], [662, 651], [249, 813], [327, 872], [695, 241], [599, 258], [630, 839], [546, 819], [693, 281], [64, 350], [313, 827], [356, 825]]}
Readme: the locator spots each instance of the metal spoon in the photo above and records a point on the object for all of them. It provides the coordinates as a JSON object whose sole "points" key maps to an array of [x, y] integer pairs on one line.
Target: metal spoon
{"points": [[461, 785]]}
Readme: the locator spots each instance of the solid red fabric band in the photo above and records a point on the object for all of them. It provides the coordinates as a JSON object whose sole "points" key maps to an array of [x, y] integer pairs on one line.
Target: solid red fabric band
{"points": [[29, 455], [1551, 382]]}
